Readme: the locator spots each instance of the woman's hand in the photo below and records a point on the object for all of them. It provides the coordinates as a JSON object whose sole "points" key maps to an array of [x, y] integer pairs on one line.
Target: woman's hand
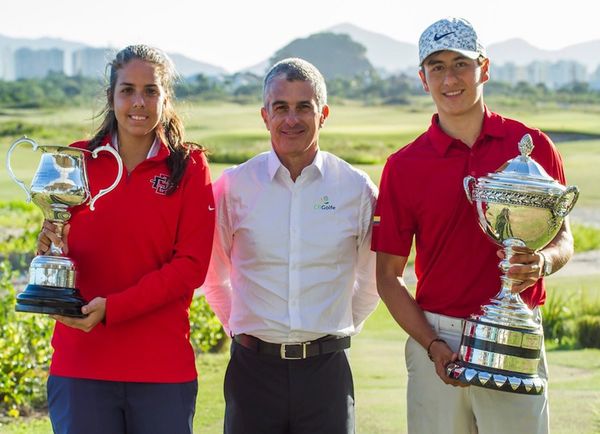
{"points": [[48, 236], [95, 311]]}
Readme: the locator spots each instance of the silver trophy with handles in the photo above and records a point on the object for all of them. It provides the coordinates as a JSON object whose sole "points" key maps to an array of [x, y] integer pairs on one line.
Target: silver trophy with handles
{"points": [[518, 205], [59, 184]]}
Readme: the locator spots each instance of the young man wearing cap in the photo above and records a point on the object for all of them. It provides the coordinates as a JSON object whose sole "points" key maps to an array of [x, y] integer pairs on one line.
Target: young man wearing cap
{"points": [[422, 197]]}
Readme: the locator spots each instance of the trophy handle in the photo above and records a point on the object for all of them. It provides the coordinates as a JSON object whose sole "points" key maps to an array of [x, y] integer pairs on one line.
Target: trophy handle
{"points": [[467, 186], [9, 168], [564, 205], [117, 179]]}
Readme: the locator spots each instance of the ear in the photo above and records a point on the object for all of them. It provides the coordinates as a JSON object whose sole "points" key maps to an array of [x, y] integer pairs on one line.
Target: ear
{"points": [[265, 116], [324, 115], [485, 70], [423, 78]]}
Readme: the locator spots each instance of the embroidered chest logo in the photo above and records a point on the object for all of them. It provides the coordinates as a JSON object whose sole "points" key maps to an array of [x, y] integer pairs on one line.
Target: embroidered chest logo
{"points": [[160, 183], [324, 204]]}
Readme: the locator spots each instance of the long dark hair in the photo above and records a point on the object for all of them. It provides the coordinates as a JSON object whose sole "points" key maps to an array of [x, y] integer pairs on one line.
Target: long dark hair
{"points": [[170, 128]]}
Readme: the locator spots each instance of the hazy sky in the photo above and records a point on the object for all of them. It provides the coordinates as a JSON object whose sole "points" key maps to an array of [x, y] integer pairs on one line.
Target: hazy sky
{"points": [[237, 34]]}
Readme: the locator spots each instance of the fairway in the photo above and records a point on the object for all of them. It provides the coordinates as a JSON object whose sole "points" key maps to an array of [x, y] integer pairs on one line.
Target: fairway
{"points": [[363, 135]]}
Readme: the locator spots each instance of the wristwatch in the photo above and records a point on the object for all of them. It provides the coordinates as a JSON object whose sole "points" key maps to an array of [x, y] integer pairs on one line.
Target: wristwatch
{"points": [[547, 267]]}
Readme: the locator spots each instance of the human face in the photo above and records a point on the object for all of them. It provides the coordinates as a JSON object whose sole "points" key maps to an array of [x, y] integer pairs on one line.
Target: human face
{"points": [[292, 116], [455, 82], [138, 101]]}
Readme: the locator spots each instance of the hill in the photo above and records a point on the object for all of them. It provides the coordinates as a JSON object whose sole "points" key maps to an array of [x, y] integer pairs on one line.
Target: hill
{"points": [[520, 52], [336, 55], [382, 51]]}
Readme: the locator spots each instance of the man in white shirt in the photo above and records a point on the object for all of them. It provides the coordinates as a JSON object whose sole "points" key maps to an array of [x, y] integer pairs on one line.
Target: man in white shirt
{"points": [[292, 276]]}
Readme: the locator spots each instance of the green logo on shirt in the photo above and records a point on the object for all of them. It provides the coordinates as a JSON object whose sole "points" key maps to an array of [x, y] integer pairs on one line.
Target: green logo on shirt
{"points": [[324, 204]]}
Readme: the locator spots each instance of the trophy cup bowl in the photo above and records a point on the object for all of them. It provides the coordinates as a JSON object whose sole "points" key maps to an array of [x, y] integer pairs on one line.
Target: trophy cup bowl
{"points": [[518, 205], [59, 184]]}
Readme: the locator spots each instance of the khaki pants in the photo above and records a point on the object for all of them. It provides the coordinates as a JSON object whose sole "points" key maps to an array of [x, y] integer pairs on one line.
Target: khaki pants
{"points": [[435, 407]]}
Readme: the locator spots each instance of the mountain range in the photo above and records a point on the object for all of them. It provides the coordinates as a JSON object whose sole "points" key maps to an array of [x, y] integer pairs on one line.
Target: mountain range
{"points": [[384, 52], [392, 55]]}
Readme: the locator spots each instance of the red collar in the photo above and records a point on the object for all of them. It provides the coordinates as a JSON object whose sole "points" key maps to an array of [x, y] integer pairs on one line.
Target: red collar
{"points": [[492, 127]]}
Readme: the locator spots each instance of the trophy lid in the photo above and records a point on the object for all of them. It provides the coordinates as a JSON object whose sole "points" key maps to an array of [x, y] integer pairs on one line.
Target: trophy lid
{"points": [[524, 173]]}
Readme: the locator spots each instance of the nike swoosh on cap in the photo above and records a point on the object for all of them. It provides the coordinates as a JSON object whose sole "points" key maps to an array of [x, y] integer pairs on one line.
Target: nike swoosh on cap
{"points": [[438, 37]]}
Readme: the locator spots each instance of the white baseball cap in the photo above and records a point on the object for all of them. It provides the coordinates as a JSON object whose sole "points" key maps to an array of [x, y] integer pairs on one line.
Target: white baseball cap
{"points": [[453, 34]]}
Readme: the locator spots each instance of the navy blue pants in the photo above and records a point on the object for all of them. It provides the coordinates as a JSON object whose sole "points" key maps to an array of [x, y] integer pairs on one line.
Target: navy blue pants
{"points": [[81, 406], [267, 395]]}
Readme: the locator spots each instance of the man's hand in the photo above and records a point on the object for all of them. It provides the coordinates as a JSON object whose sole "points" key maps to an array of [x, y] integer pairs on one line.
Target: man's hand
{"points": [[95, 311], [527, 268], [442, 355]]}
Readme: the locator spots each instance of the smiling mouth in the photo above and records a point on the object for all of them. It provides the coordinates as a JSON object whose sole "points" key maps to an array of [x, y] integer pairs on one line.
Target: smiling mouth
{"points": [[453, 93], [138, 117], [292, 132]]}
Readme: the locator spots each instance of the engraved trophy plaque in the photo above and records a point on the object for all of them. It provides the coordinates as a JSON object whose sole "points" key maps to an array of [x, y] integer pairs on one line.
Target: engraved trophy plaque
{"points": [[59, 184], [518, 205]]}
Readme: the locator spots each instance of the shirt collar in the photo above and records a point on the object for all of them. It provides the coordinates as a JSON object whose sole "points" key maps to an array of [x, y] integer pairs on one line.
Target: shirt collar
{"points": [[273, 163], [492, 127], [152, 152]]}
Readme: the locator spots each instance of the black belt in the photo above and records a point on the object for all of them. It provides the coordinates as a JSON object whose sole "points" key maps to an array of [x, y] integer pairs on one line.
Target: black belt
{"points": [[294, 351]]}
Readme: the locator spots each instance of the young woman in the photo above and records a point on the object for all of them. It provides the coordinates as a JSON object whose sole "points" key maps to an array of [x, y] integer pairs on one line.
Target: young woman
{"points": [[128, 367]]}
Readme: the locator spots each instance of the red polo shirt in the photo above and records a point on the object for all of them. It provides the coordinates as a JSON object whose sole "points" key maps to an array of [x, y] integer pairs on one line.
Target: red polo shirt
{"points": [[422, 196]]}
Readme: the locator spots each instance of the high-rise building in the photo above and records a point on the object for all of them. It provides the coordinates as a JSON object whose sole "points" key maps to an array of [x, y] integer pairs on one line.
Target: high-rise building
{"points": [[6, 64], [90, 62], [567, 72], [552, 75], [37, 63], [595, 79]]}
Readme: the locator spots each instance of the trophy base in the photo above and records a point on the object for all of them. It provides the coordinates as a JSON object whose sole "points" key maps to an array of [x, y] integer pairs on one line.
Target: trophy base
{"points": [[473, 375], [499, 357], [51, 301]]}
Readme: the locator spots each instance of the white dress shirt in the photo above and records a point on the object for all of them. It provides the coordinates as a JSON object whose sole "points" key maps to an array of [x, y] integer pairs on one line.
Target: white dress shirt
{"points": [[291, 260]]}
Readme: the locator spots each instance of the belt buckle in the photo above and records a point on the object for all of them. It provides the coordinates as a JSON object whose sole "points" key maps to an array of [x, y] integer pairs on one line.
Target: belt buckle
{"points": [[284, 348]]}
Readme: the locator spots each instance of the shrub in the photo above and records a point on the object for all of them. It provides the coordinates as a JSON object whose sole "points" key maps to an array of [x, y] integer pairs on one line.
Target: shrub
{"points": [[557, 316], [19, 227], [206, 333], [24, 352], [588, 331], [585, 237]]}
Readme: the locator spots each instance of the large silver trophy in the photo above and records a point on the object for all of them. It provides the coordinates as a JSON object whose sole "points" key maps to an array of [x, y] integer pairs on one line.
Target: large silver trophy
{"points": [[518, 205], [60, 183]]}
